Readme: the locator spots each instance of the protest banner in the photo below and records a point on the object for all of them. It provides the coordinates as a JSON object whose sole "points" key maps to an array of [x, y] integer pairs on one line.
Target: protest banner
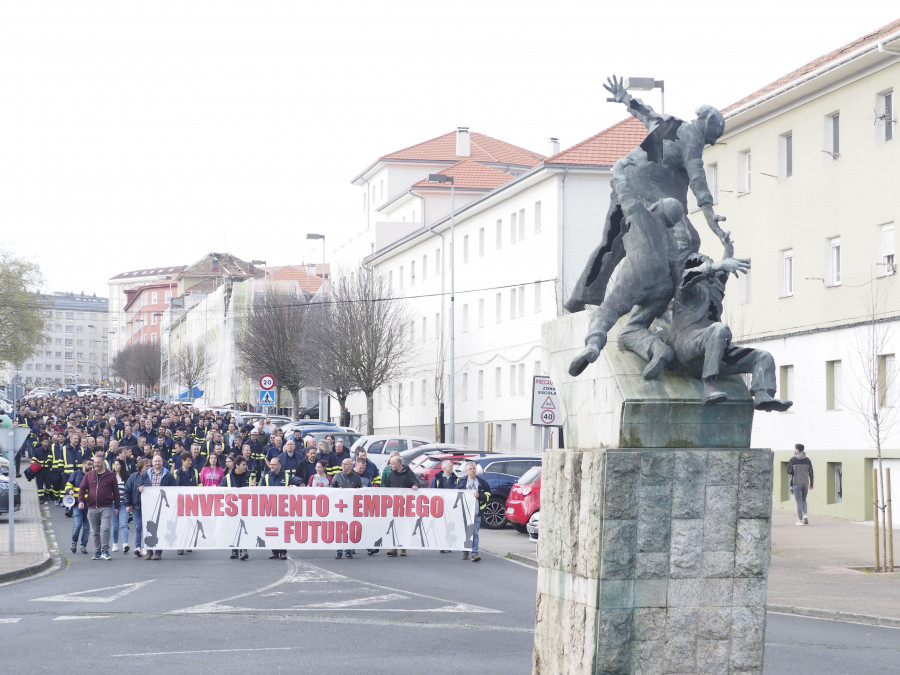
{"points": [[306, 518]]}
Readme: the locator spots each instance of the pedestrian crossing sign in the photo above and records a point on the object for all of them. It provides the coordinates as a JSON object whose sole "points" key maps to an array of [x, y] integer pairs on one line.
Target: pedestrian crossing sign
{"points": [[266, 397]]}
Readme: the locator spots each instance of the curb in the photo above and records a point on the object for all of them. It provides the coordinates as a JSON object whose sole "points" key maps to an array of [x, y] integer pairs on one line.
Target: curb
{"points": [[868, 619], [522, 559], [28, 571]]}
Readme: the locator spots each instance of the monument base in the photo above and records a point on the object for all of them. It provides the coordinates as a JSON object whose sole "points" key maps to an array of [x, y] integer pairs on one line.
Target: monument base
{"points": [[653, 561]]}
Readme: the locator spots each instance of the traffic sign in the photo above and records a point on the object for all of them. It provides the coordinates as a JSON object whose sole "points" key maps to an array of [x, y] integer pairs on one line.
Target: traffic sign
{"points": [[267, 382], [544, 403], [266, 397]]}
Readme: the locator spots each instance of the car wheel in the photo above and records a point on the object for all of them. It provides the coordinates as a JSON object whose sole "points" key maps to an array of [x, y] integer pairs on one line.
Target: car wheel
{"points": [[520, 528], [307, 416], [493, 516]]}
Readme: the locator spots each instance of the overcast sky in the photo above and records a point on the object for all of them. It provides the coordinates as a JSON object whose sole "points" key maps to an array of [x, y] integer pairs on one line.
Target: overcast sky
{"points": [[149, 134]]}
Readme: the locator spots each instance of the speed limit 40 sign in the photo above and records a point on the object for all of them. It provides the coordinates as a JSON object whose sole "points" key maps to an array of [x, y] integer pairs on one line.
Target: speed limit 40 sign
{"points": [[545, 410], [267, 382]]}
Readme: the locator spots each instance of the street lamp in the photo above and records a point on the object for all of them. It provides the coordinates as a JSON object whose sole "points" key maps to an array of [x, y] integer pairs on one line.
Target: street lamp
{"points": [[322, 237], [443, 178], [647, 84]]}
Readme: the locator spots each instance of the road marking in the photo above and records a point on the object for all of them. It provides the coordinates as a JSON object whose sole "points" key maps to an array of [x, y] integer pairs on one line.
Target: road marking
{"points": [[304, 572], [7, 620], [82, 596], [78, 618], [211, 651]]}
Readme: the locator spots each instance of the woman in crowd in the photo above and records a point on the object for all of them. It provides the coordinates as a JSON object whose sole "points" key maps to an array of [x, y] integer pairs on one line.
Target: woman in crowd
{"points": [[320, 479], [212, 474], [120, 522]]}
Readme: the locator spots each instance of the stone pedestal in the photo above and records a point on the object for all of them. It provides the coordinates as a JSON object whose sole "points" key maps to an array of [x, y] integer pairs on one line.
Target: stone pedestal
{"points": [[652, 559]]}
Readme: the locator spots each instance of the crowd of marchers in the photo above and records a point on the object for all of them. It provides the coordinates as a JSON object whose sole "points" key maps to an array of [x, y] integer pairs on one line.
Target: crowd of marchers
{"points": [[103, 453]]}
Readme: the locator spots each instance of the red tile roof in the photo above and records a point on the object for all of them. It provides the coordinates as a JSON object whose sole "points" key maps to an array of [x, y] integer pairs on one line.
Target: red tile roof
{"points": [[470, 174], [863, 41], [605, 148], [482, 149], [299, 273]]}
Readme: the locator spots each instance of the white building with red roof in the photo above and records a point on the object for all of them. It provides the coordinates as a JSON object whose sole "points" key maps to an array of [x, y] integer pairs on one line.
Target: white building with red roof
{"points": [[806, 174], [522, 237]]}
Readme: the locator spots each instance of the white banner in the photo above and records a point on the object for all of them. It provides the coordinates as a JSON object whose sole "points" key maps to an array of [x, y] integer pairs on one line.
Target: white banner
{"points": [[306, 518]]}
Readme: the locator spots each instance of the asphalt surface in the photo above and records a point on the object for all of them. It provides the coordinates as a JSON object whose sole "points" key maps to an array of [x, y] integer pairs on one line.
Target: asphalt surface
{"points": [[203, 612]]}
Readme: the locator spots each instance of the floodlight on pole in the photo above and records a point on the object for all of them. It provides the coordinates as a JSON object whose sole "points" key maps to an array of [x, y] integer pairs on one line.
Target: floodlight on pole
{"points": [[443, 178], [647, 84]]}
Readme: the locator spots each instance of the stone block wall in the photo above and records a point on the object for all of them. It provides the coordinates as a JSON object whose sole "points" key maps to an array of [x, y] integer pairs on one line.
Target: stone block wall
{"points": [[653, 560]]}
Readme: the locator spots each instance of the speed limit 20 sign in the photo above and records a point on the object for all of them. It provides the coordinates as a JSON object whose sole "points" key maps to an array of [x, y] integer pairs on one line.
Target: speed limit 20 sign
{"points": [[267, 382]]}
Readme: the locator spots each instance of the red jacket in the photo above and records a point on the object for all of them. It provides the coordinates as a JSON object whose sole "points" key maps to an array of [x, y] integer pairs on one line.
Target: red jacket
{"points": [[99, 491]]}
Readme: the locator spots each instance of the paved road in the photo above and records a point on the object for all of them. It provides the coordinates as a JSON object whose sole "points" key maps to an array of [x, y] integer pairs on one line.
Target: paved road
{"points": [[203, 612]]}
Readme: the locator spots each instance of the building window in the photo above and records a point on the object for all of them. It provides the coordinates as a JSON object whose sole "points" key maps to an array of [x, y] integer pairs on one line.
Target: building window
{"points": [[521, 301], [480, 384], [466, 248], [521, 224], [833, 135], [884, 116], [512, 379], [537, 297], [513, 230], [465, 318], [744, 282], [887, 263], [69, 342], [68, 356], [833, 384], [785, 155], [512, 303], [412, 273], [481, 312], [498, 383], [168, 296], [744, 172], [499, 234], [437, 261], [437, 325], [425, 267], [499, 308], [712, 180], [412, 331], [400, 276], [70, 316], [834, 261], [154, 297], [835, 482], [521, 370], [786, 382], [465, 387], [887, 385], [69, 329], [537, 217], [481, 242], [424, 329], [391, 280], [153, 320], [153, 338], [787, 272]]}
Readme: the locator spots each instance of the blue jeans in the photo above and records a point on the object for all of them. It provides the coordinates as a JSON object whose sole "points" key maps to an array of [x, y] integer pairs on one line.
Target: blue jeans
{"points": [[477, 524], [138, 527], [120, 523], [80, 524], [800, 492]]}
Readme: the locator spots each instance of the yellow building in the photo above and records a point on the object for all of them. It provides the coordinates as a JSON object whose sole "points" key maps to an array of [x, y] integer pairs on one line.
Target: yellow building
{"points": [[808, 175]]}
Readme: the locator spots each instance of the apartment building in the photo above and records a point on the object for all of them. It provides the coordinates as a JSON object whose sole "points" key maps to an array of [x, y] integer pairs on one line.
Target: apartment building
{"points": [[806, 174]]}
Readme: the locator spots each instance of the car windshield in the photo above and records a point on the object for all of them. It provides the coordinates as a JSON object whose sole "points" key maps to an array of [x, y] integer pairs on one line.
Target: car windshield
{"points": [[530, 476]]}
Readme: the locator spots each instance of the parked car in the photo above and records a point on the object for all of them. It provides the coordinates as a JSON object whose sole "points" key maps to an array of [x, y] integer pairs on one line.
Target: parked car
{"points": [[427, 466], [319, 433], [533, 526], [380, 446], [310, 413], [64, 392], [501, 472], [524, 499], [4, 465], [409, 455], [6, 407], [4, 495]]}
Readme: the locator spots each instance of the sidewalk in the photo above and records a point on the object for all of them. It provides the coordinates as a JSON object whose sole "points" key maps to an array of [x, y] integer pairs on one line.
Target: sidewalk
{"points": [[810, 572], [32, 554]]}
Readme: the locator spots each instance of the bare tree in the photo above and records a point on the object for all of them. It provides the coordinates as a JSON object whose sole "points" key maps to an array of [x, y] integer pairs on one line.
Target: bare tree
{"points": [[138, 364], [874, 400], [365, 333], [22, 312], [275, 340], [189, 364]]}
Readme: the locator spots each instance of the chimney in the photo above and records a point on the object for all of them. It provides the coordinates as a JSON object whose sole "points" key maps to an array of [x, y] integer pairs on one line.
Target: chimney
{"points": [[462, 141], [554, 146]]}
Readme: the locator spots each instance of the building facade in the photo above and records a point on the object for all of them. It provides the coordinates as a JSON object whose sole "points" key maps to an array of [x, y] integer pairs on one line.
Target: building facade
{"points": [[806, 174]]}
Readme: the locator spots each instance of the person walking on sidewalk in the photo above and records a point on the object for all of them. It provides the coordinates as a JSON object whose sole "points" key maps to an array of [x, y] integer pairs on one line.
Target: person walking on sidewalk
{"points": [[800, 469], [99, 491]]}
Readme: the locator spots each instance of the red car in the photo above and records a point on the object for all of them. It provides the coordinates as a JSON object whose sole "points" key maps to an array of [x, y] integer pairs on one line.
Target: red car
{"points": [[427, 466], [524, 499]]}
